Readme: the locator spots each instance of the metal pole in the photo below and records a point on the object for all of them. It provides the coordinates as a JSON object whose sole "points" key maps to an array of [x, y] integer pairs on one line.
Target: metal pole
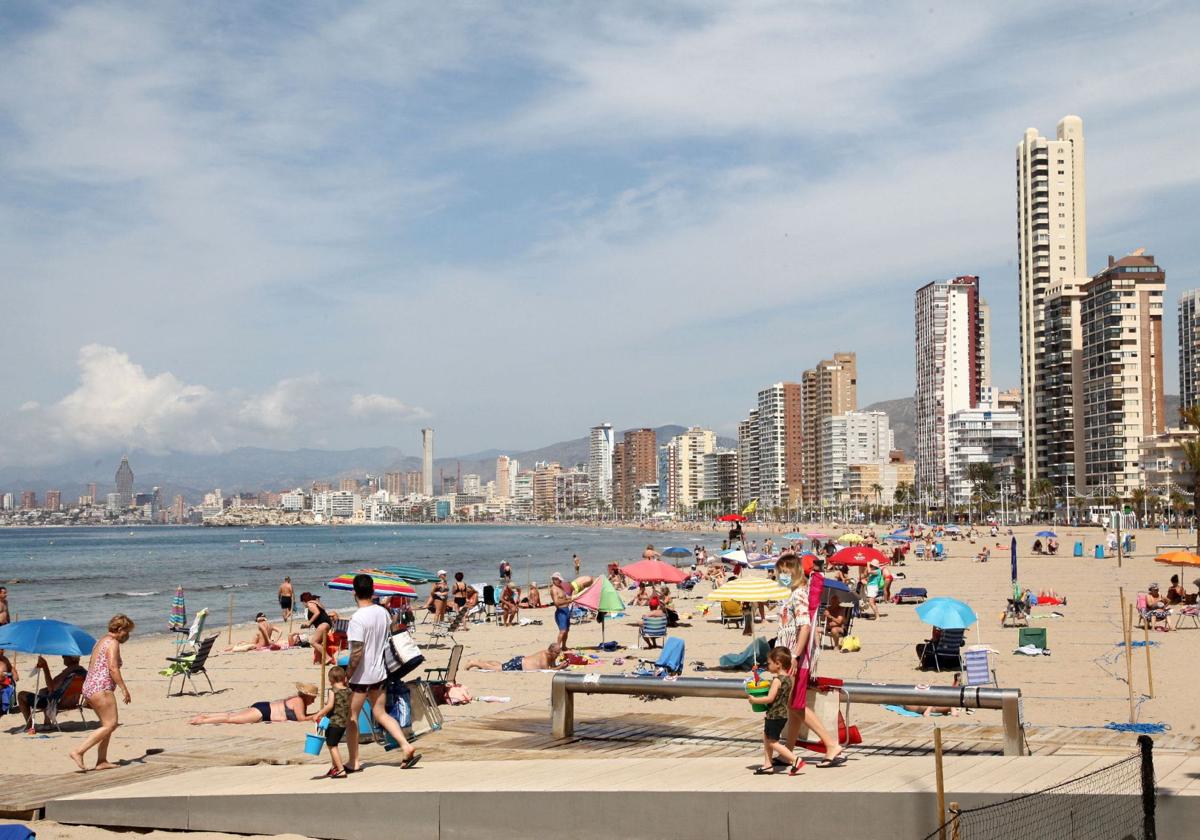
{"points": [[1129, 659], [941, 784], [1149, 669]]}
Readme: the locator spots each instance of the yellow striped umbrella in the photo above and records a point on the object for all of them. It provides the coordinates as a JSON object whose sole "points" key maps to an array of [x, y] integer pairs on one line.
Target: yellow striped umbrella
{"points": [[750, 590], [851, 539]]}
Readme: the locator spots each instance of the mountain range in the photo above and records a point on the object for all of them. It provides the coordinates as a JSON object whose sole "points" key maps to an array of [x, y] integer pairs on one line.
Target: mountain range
{"points": [[250, 469]]}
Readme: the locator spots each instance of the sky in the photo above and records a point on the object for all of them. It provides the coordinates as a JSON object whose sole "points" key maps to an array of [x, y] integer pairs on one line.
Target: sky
{"points": [[293, 224]]}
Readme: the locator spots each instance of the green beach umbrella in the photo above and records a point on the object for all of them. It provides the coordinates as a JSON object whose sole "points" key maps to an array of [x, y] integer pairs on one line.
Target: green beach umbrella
{"points": [[412, 574], [602, 597]]}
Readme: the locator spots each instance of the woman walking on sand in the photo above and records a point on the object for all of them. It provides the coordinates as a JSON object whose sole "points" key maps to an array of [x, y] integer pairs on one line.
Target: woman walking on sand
{"points": [[99, 690]]}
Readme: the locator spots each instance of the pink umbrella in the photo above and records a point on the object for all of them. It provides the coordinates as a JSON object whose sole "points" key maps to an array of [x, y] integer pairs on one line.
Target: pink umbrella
{"points": [[817, 535], [654, 571]]}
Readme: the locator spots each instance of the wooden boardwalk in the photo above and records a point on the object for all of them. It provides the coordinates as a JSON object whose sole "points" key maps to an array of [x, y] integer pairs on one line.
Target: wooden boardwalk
{"points": [[511, 737]]}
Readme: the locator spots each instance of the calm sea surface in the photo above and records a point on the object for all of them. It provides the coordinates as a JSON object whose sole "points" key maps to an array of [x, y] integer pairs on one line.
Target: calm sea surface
{"points": [[85, 575]]}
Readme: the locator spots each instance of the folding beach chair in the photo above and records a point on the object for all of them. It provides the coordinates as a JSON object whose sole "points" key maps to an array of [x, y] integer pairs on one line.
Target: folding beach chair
{"points": [[490, 604], [439, 632], [67, 697], [731, 613], [919, 551], [188, 644], [1035, 636], [653, 628], [190, 666], [911, 595], [1016, 613], [976, 665], [449, 674], [1188, 612], [669, 663], [944, 652]]}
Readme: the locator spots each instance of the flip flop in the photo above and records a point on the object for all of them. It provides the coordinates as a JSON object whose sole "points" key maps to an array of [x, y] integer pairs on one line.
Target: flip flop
{"points": [[357, 769], [837, 761], [410, 762], [796, 767], [334, 774], [764, 771]]}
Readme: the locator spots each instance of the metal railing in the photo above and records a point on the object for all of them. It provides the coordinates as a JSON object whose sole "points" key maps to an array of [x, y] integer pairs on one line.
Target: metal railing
{"points": [[564, 687]]}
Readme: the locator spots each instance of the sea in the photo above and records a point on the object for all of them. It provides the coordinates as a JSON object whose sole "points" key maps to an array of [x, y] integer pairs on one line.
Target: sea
{"points": [[86, 575]]}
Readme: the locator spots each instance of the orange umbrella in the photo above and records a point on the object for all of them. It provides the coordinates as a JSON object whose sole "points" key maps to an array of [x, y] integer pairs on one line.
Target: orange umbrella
{"points": [[1178, 558]]}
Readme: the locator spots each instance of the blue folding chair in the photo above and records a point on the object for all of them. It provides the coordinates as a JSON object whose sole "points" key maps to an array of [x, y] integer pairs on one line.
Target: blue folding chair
{"points": [[653, 627], [669, 662]]}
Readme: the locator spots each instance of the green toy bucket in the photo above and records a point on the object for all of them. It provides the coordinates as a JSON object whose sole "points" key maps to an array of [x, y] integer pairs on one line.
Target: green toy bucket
{"points": [[758, 689]]}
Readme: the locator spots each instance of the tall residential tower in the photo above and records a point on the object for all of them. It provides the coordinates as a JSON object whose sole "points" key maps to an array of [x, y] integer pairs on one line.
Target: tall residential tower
{"points": [[426, 462], [1051, 250], [1189, 349], [600, 457]]}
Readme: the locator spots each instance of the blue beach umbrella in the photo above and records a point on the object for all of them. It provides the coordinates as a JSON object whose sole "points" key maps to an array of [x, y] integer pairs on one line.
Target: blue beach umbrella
{"points": [[47, 637], [947, 613], [795, 535], [676, 551], [1046, 534]]}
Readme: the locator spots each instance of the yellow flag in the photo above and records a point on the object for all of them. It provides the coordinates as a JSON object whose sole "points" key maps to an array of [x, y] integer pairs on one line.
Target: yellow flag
{"points": [[750, 508]]}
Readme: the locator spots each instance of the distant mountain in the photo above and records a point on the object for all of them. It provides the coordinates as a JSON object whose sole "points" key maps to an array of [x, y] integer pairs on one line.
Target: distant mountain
{"points": [[902, 416], [251, 469]]}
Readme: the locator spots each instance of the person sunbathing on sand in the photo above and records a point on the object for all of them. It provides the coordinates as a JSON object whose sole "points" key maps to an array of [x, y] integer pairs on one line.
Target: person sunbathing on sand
{"points": [[535, 597], [268, 711], [543, 660], [926, 711]]}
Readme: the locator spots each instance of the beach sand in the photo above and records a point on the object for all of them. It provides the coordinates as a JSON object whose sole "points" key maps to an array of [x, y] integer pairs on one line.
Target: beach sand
{"points": [[1082, 682]]}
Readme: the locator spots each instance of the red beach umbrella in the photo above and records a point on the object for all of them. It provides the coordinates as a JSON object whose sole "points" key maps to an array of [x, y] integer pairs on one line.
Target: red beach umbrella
{"points": [[731, 517], [654, 571], [859, 555]]}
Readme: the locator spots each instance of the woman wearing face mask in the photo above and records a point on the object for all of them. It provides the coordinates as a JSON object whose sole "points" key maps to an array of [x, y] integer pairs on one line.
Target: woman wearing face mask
{"points": [[795, 633]]}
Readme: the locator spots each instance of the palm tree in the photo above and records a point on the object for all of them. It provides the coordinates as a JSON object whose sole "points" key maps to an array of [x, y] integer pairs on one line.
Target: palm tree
{"points": [[1191, 458], [980, 475], [1043, 491], [877, 489], [1179, 504], [1139, 498]]}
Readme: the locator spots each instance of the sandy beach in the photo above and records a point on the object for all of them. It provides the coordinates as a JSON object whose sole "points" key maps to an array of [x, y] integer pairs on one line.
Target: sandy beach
{"points": [[1081, 684]]}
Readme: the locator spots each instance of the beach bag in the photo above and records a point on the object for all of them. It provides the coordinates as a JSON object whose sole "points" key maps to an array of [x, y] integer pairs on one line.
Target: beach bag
{"points": [[399, 702], [399, 650], [850, 644]]}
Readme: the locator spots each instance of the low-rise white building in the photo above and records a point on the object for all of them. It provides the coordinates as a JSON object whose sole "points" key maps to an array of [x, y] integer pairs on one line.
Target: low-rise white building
{"points": [[983, 435]]}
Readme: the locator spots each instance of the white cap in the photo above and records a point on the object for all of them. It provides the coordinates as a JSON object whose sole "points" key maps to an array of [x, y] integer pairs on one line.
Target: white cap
{"points": [[556, 576], [441, 572]]}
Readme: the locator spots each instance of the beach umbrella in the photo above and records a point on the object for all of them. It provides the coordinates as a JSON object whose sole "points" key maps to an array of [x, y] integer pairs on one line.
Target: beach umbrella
{"points": [[412, 574], [676, 551], [1171, 558], [952, 529], [859, 555], [1046, 534], [178, 619], [750, 590], [795, 535], [1014, 560], [602, 598], [852, 539], [756, 556], [817, 535], [947, 613], [654, 571], [47, 637], [735, 556], [731, 517], [384, 584], [896, 538]]}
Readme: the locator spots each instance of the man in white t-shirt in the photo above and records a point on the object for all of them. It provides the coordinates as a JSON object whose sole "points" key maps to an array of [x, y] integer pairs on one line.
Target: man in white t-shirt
{"points": [[369, 631]]}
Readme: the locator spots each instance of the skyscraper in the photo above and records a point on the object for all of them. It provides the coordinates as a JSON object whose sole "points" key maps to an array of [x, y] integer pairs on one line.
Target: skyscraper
{"points": [[1123, 398], [125, 483], [856, 437], [1189, 348], [780, 446], [747, 459], [503, 480], [829, 389], [684, 467], [427, 461], [600, 452], [635, 463], [952, 369], [1051, 249], [53, 500]]}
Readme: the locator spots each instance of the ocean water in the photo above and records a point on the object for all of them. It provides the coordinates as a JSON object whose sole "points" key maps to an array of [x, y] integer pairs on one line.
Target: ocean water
{"points": [[86, 575]]}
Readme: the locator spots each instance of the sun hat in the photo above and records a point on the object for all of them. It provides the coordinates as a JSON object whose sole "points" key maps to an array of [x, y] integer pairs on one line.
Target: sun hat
{"points": [[307, 688], [556, 576], [1153, 586]]}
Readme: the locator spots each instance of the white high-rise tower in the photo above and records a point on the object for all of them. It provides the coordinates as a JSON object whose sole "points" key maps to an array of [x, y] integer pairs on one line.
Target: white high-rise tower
{"points": [[1052, 251], [600, 457], [427, 463]]}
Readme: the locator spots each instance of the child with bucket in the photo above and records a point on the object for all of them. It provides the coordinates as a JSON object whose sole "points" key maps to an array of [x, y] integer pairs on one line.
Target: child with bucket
{"points": [[337, 712], [774, 704]]}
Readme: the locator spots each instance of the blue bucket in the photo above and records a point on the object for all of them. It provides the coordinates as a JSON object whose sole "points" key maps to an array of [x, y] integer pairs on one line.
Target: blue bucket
{"points": [[313, 743]]}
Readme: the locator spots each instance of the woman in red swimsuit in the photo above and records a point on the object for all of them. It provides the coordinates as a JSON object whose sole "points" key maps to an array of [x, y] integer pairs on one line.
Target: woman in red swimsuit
{"points": [[99, 690]]}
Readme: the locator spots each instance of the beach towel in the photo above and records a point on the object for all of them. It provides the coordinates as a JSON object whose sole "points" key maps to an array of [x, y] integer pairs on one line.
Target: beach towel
{"points": [[900, 710], [16, 832], [1029, 650], [754, 653]]}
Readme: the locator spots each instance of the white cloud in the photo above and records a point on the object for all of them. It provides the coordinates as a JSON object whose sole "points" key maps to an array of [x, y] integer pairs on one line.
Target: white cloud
{"points": [[379, 405], [118, 404]]}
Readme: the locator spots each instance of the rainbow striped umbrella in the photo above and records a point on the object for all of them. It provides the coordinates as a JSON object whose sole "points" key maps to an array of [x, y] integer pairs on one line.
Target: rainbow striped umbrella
{"points": [[384, 585], [178, 620]]}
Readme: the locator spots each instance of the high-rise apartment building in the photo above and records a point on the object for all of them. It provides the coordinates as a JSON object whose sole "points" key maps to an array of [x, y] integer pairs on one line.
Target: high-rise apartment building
{"points": [[503, 481], [1123, 401], [91, 491], [394, 484], [856, 437], [634, 464], [125, 483], [719, 479], [53, 500], [1060, 398], [572, 492], [544, 484], [29, 500], [829, 389], [1189, 349], [780, 446], [684, 465], [426, 462], [1051, 249], [348, 485], [179, 510], [747, 459], [986, 434], [952, 367], [600, 463]]}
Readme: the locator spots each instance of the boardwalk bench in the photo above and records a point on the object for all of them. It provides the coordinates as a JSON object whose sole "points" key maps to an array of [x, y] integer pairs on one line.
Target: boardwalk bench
{"points": [[564, 687]]}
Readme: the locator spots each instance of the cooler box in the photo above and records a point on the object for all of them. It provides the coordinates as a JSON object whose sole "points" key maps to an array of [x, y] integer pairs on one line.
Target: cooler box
{"points": [[1079, 549]]}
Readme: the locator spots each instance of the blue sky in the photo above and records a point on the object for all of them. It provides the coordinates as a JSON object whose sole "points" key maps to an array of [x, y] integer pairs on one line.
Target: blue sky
{"points": [[292, 224]]}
